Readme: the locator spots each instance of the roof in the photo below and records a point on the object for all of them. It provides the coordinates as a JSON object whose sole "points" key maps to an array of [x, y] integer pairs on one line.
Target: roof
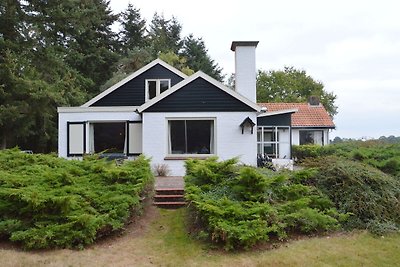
{"points": [[132, 76], [277, 112], [306, 116], [191, 78]]}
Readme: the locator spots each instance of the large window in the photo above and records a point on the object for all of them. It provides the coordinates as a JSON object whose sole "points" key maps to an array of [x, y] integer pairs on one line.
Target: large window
{"points": [[155, 87], [312, 137], [108, 137], [191, 137], [115, 137]]}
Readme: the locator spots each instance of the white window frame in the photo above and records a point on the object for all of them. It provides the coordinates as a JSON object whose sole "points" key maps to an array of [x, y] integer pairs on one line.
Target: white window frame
{"points": [[170, 155], [262, 142], [278, 140], [313, 131], [158, 81]]}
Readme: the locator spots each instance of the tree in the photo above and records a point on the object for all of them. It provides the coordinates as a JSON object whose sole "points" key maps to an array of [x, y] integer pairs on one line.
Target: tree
{"points": [[165, 35], [292, 85], [337, 140], [79, 31], [177, 61], [133, 29], [11, 22], [197, 58], [134, 60], [139, 57], [29, 100]]}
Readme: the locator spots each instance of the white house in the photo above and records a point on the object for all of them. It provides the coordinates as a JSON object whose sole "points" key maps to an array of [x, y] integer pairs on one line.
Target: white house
{"points": [[160, 112]]}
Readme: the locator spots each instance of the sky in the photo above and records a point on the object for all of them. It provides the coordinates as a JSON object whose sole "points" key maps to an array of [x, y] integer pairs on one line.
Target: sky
{"points": [[352, 47]]}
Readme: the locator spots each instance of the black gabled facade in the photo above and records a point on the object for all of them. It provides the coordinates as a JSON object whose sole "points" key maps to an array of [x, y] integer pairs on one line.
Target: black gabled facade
{"points": [[197, 96], [132, 93]]}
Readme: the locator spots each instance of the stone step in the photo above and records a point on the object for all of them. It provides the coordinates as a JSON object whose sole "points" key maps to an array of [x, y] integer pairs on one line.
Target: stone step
{"points": [[170, 191], [170, 204], [169, 198]]}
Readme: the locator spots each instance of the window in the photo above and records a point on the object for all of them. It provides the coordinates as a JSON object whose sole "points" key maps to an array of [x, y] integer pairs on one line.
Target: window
{"points": [[274, 141], [191, 137], [107, 137], [312, 137], [155, 87], [267, 141], [120, 137]]}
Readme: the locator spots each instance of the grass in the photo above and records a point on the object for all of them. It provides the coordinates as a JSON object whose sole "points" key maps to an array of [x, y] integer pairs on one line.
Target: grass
{"points": [[160, 239]]}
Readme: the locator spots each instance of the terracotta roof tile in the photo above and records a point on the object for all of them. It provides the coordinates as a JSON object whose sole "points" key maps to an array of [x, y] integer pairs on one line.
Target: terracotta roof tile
{"points": [[306, 116]]}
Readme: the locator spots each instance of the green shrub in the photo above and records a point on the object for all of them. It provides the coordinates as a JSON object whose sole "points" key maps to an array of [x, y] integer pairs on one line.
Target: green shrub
{"points": [[383, 156], [372, 196], [49, 202], [310, 151], [391, 166], [238, 206]]}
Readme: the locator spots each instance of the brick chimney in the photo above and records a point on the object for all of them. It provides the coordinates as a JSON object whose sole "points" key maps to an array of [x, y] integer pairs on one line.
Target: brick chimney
{"points": [[245, 68], [313, 100]]}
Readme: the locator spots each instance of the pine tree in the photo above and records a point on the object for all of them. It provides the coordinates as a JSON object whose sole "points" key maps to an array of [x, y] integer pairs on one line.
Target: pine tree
{"points": [[81, 31], [133, 29], [165, 35], [197, 58]]}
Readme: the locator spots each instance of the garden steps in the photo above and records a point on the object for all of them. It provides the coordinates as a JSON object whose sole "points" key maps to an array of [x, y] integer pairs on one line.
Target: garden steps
{"points": [[169, 198], [169, 192]]}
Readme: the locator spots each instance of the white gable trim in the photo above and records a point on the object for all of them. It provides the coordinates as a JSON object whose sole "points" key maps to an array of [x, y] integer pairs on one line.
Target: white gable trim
{"points": [[132, 76], [97, 109], [278, 112], [209, 79]]}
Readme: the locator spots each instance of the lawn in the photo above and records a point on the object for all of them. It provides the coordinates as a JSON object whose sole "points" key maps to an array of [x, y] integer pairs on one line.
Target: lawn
{"points": [[160, 238]]}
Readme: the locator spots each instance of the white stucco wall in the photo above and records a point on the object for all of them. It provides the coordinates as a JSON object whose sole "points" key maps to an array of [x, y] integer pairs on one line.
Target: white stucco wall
{"points": [[245, 71], [229, 141], [64, 117]]}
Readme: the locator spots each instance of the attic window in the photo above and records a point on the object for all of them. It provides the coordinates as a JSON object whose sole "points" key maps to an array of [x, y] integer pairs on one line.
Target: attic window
{"points": [[154, 87]]}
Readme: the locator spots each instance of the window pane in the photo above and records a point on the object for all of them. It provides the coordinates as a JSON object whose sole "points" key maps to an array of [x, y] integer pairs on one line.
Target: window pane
{"points": [[198, 136], [318, 137], [259, 135], [268, 149], [164, 85], [269, 136], [109, 137], [259, 149], [306, 137], [177, 137], [152, 87]]}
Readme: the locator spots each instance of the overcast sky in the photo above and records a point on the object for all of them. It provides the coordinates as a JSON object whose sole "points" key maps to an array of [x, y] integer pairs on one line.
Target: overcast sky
{"points": [[353, 47]]}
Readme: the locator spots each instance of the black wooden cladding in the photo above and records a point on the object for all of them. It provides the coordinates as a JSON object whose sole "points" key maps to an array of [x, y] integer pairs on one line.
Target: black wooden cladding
{"points": [[275, 120], [199, 95], [132, 93]]}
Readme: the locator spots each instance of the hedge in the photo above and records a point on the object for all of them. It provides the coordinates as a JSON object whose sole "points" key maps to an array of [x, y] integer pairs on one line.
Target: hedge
{"points": [[238, 207], [48, 202]]}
